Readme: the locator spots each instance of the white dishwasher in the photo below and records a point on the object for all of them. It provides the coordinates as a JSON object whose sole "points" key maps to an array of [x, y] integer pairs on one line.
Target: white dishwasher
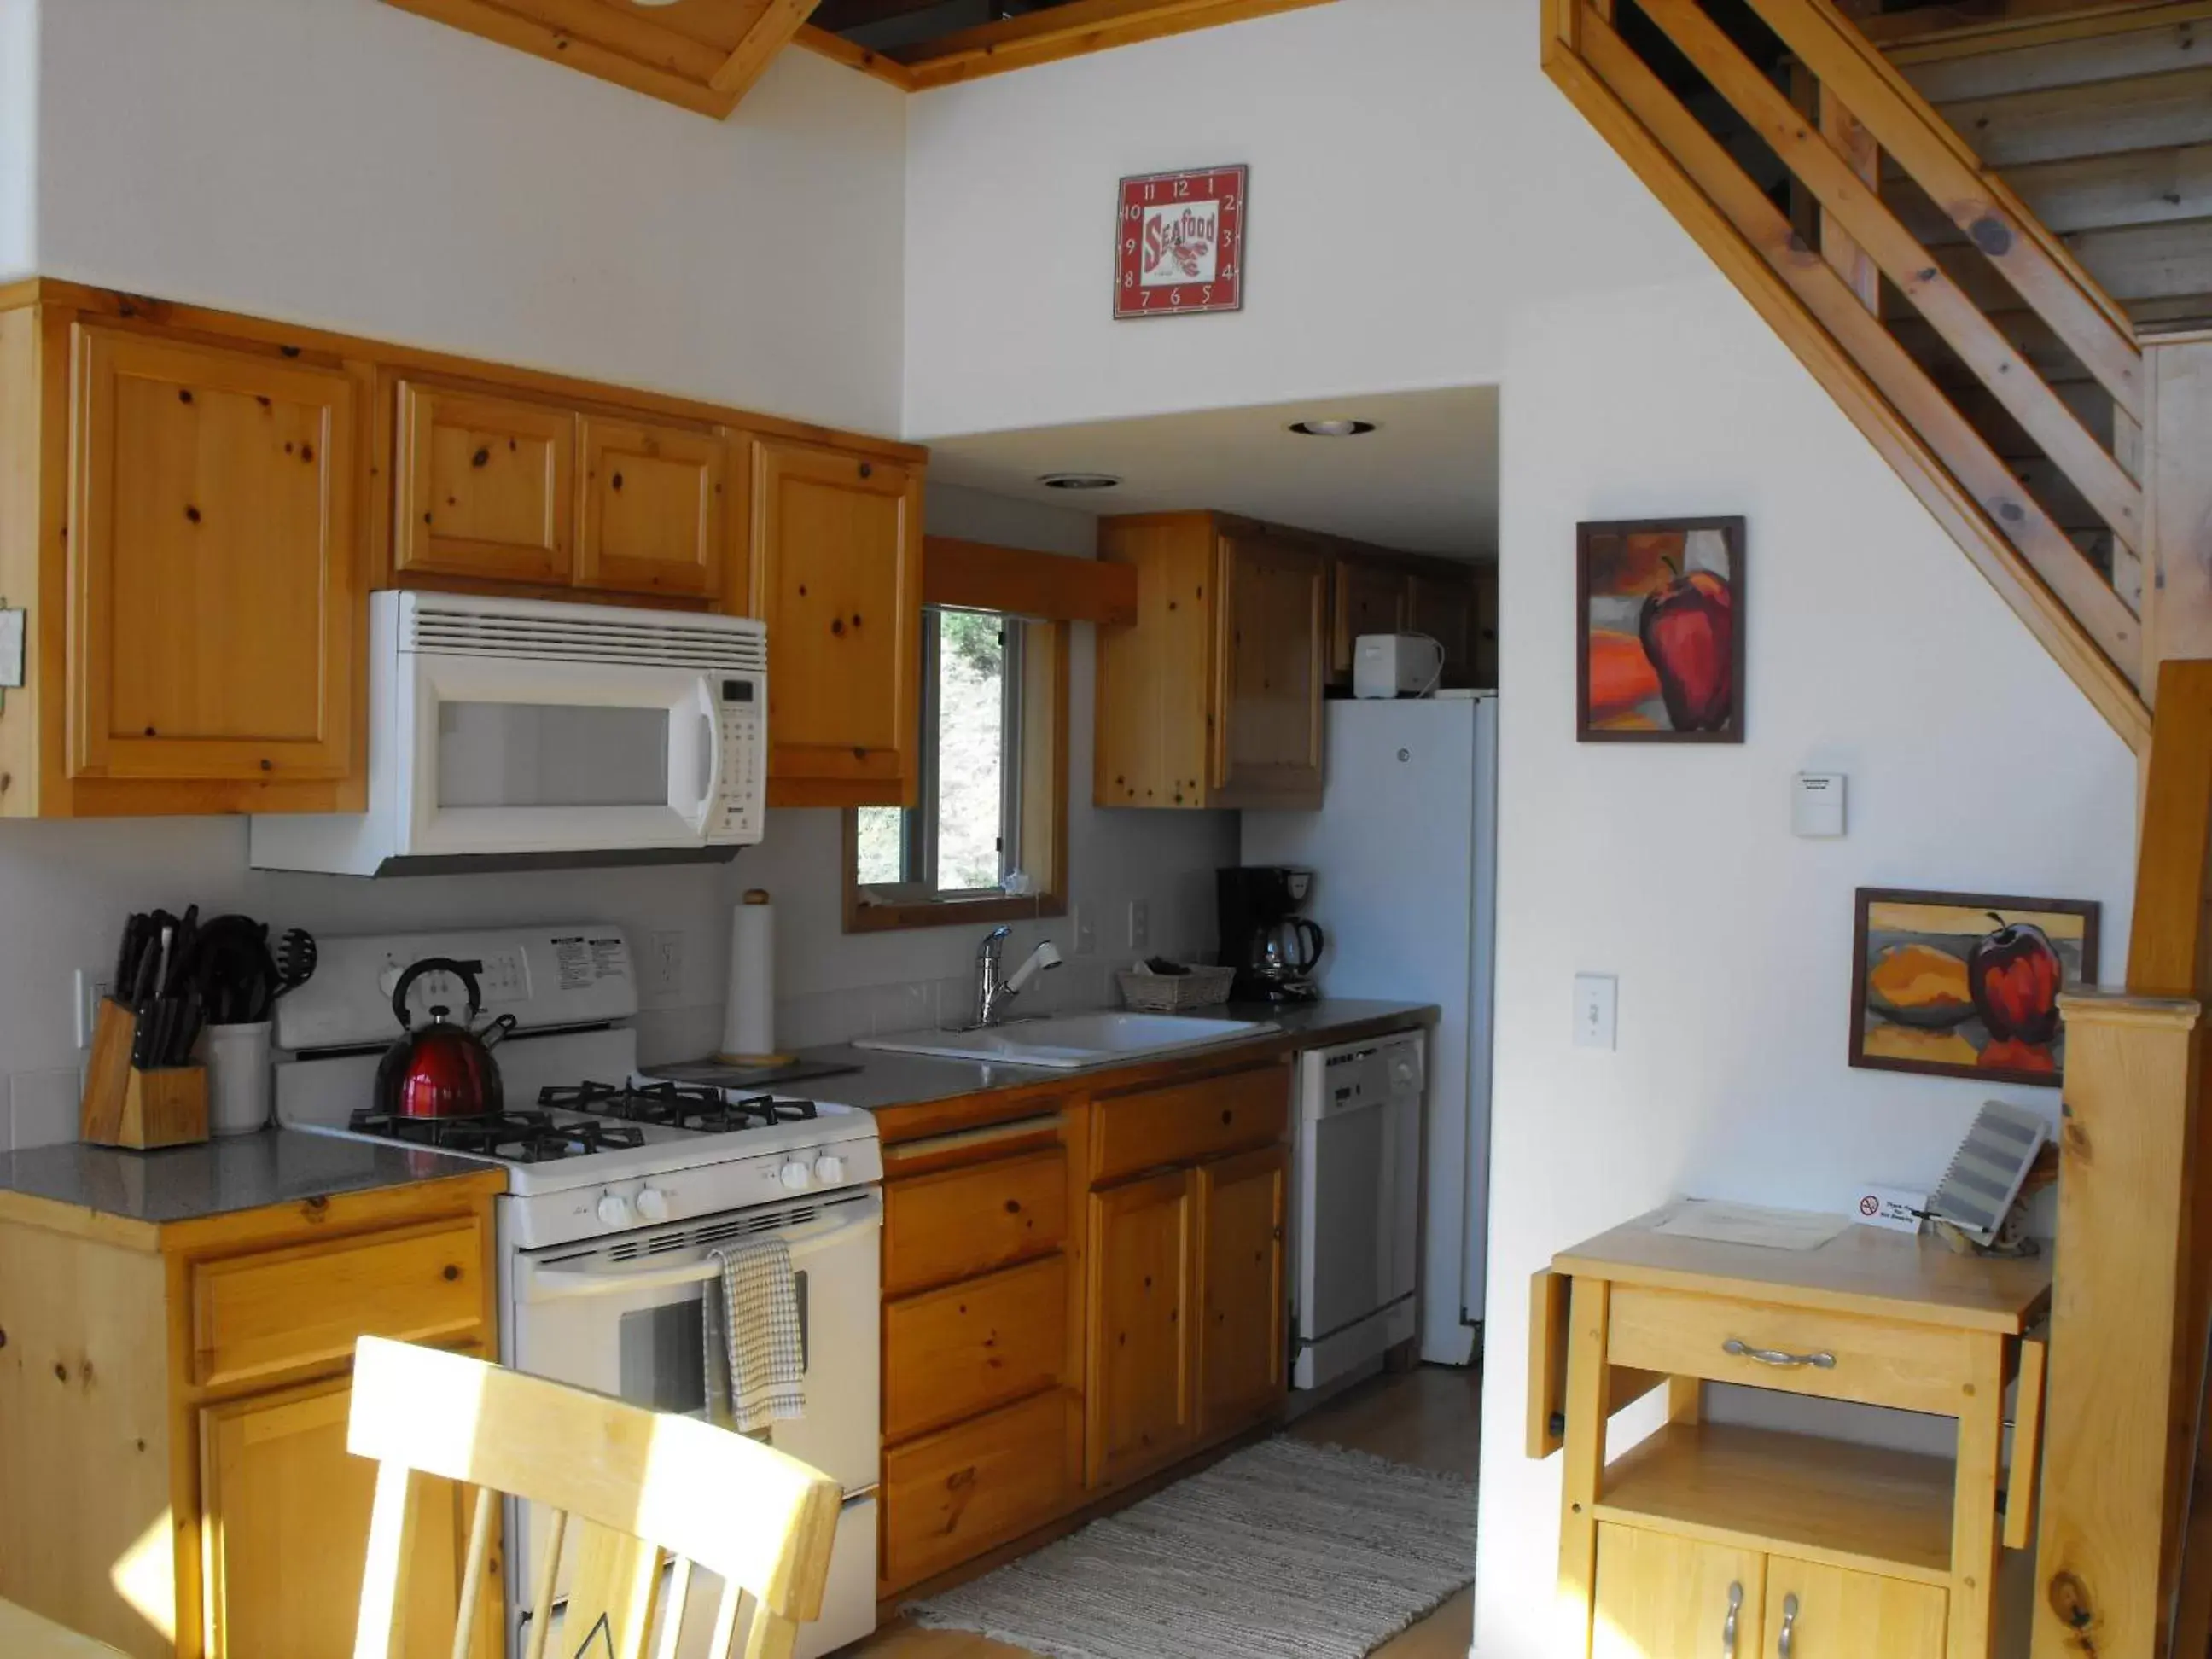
{"points": [[1355, 1215]]}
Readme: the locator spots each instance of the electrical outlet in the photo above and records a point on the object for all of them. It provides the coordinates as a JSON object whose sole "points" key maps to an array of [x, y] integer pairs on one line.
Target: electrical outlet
{"points": [[1597, 998], [664, 966], [1140, 925], [92, 986], [1086, 930]]}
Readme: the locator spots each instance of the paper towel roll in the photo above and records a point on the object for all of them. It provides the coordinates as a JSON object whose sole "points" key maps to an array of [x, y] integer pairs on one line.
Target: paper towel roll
{"points": [[748, 1016]]}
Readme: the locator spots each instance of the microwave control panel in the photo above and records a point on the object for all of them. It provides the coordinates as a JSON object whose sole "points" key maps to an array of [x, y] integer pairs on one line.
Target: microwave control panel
{"points": [[741, 722]]}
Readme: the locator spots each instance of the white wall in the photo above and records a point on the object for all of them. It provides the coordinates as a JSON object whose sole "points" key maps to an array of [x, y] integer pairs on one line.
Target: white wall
{"points": [[1400, 151], [345, 163], [1874, 650], [19, 124]]}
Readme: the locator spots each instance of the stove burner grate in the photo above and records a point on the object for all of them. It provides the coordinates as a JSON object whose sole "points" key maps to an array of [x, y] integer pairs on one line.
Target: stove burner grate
{"points": [[676, 1106], [519, 1136]]}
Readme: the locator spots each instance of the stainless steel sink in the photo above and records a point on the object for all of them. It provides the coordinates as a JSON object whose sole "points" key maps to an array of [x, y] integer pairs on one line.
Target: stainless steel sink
{"points": [[1070, 1042]]}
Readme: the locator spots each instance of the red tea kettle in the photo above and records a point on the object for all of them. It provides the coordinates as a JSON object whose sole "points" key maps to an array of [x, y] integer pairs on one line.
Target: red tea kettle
{"points": [[445, 1069]]}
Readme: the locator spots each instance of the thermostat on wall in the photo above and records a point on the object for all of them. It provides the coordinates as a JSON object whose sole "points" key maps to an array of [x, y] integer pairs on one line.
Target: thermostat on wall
{"points": [[1816, 804]]}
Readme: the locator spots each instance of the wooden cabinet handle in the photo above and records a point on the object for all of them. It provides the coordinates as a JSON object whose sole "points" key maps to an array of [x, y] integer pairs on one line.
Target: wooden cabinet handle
{"points": [[1728, 1626], [1788, 1639], [452, 1273]]}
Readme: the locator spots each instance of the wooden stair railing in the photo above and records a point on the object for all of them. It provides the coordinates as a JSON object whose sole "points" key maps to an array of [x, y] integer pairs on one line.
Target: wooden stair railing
{"points": [[1825, 304]]}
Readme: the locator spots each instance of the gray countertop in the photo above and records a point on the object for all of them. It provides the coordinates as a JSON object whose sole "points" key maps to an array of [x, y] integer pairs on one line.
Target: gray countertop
{"points": [[219, 1177], [884, 1081]]}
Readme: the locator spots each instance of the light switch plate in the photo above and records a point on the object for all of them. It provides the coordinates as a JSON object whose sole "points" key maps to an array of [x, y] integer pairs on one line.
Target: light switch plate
{"points": [[1596, 1000], [1140, 925]]}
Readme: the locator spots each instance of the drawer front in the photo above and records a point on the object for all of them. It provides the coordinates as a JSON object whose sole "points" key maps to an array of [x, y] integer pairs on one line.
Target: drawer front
{"points": [[281, 1311], [962, 1222], [950, 1353], [1190, 1121], [954, 1495], [1872, 1361]]}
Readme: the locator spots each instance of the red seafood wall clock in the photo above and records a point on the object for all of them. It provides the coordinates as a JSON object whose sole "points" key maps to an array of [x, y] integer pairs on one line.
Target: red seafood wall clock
{"points": [[1179, 243]]}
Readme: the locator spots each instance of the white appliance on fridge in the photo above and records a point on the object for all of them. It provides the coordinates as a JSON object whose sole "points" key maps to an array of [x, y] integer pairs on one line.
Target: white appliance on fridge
{"points": [[1404, 856]]}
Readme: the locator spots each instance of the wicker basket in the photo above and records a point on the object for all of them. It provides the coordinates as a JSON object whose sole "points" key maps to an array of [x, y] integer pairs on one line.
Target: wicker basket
{"points": [[1167, 994]]}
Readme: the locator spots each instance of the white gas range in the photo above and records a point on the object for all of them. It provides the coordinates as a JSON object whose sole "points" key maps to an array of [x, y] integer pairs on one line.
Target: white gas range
{"points": [[619, 1188]]}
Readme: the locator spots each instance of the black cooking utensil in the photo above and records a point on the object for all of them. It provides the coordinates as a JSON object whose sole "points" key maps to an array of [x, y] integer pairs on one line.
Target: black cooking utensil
{"points": [[295, 961]]}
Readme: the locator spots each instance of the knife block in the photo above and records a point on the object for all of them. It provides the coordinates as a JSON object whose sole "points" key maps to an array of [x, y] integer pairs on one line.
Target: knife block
{"points": [[124, 1106]]}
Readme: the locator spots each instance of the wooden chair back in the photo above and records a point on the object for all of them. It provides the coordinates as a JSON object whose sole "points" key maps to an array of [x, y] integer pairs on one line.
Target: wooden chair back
{"points": [[630, 1492]]}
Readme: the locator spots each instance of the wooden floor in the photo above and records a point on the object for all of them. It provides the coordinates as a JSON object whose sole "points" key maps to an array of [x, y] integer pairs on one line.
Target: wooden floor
{"points": [[1426, 1418]]}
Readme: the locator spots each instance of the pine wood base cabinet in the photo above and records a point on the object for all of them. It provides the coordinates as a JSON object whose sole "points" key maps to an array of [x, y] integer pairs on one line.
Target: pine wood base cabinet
{"points": [[172, 1415], [1080, 1290]]}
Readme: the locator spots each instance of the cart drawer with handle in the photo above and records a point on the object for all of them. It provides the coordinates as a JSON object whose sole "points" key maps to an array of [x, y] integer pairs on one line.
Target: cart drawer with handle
{"points": [[283, 1310], [957, 1222], [1189, 1122], [1809, 1350]]}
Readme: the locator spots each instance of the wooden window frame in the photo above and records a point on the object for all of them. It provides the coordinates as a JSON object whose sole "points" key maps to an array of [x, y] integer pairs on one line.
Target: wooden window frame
{"points": [[1039, 768]]}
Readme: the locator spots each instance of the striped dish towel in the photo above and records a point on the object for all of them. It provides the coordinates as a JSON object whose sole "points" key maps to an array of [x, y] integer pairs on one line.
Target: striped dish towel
{"points": [[755, 1358]]}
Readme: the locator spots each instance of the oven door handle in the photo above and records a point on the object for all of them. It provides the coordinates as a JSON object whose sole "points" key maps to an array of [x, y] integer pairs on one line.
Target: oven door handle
{"points": [[559, 1283]]}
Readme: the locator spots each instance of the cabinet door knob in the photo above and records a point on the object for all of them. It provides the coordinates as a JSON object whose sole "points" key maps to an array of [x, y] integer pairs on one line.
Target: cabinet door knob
{"points": [[1728, 1625], [1784, 1641]]}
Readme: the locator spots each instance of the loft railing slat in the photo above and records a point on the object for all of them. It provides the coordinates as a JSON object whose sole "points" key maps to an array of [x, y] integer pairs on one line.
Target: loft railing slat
{"points": [[1920, 277], [2069, 581], [1912, 134]]}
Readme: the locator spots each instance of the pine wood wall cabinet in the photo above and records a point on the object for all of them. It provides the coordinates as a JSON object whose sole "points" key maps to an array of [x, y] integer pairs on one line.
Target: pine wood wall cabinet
{"points": [[1212, 699], [1378, 592], [172, 1413], [529, 494], [1187, 1335], [1815, 1547], [836, 575], [179, 523], [655, 508], [195, 505], [486, 487]]}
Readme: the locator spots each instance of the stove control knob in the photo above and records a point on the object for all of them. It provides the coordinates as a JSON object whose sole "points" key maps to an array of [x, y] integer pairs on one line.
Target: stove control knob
{"points": [[614, 1210], [828, 1168], [796, 1176], [652, 1204]]}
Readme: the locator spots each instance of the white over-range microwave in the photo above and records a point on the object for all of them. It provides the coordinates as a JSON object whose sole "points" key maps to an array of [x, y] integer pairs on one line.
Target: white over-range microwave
{"points": [[514, 733]]}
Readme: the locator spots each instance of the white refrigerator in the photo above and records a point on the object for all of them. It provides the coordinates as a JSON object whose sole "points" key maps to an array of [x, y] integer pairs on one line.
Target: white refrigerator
{"points": [[1404, 857]]}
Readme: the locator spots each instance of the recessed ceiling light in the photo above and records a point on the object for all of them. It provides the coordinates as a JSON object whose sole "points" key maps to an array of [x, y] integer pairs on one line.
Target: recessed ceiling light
{"points": [[1080, 481], [1332, 428]]}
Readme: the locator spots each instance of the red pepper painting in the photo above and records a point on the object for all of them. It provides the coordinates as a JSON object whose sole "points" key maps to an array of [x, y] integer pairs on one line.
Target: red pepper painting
{"points": [[1661, 654], [1967, 986]]}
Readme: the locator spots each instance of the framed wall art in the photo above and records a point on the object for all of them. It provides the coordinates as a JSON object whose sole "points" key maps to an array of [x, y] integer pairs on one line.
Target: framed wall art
{"points": [[1659, 623], [1179, 243], [1965, 984]]}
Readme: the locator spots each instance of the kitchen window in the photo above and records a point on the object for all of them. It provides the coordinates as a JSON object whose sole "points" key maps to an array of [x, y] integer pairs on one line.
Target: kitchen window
{"points": [[987, 841]]}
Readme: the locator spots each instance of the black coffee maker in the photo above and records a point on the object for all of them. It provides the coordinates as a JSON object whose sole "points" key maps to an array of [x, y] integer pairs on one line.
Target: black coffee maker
{"points": [[1273, 948]]}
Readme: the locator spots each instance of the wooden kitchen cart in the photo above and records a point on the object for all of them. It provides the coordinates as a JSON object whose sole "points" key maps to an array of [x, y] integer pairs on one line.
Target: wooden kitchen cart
{"points": [[1709, 1538]]}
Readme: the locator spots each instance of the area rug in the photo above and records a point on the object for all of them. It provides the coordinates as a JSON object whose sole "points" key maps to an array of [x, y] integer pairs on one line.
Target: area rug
{"points": [[1286, 1551]]}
